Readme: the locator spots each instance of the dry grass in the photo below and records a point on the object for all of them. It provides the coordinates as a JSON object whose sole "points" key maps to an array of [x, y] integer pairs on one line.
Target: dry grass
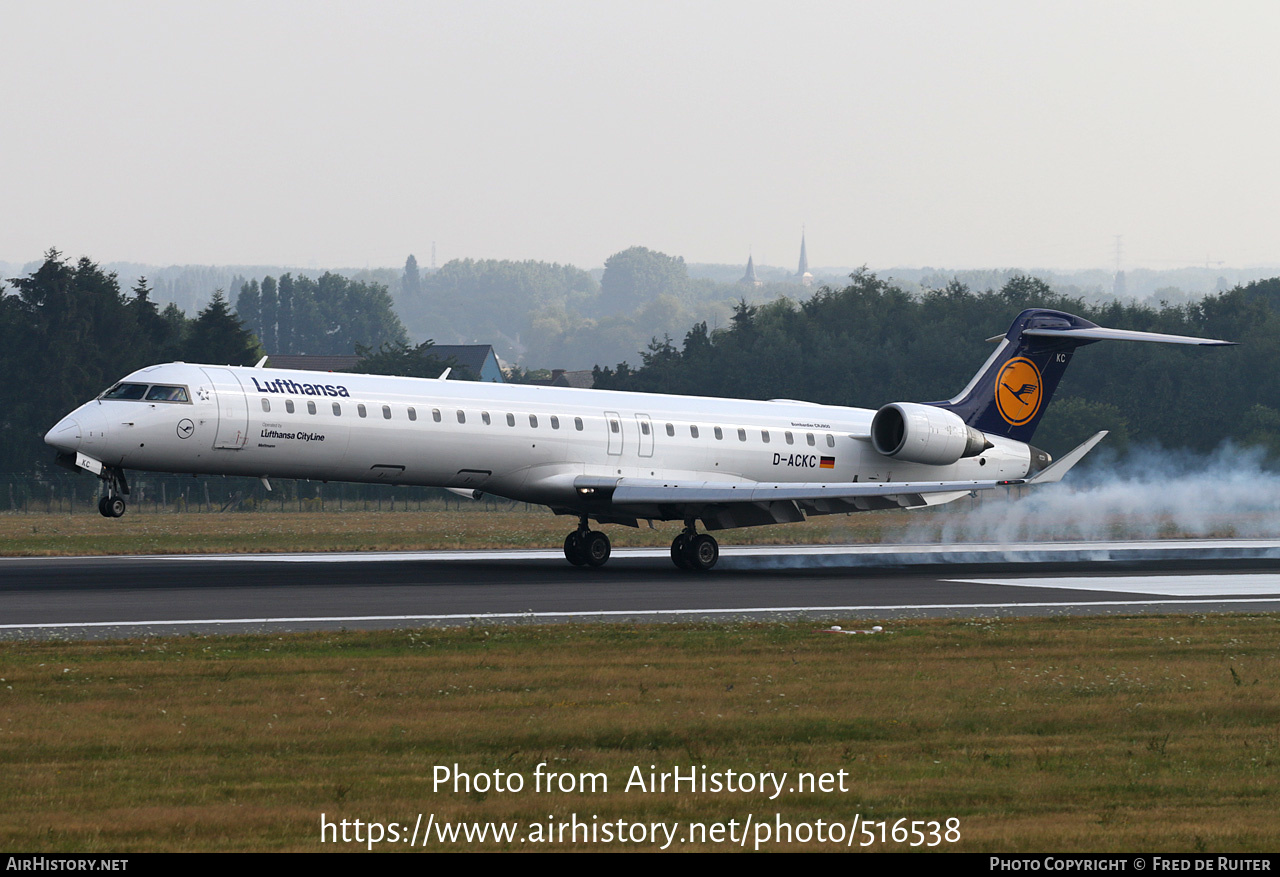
{"points": [[435, 529], [1155, 734], [475, 526]]}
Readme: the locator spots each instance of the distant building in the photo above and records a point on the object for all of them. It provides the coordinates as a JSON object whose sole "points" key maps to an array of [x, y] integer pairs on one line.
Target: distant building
{"points": [[479, 359], [560, 377], [806, 278], [750, 278], [315, 363]]}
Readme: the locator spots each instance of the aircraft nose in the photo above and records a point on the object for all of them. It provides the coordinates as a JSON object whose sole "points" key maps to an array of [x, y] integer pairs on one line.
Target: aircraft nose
{"points": [[65, 435]]}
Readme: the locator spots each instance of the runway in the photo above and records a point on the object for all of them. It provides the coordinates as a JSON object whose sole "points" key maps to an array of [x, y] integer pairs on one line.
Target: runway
{"points": [[110, 597]]}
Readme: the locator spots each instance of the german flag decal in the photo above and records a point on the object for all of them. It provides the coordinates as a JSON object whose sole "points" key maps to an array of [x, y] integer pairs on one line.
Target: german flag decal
{"points": [[827, 463]]}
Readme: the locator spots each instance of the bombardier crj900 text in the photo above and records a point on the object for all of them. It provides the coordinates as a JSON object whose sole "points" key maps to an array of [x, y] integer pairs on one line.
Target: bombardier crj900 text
{"points": [[617, 458]]}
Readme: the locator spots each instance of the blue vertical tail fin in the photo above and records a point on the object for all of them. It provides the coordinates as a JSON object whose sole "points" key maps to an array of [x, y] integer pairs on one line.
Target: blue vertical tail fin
{"points": [[1009, 395]]}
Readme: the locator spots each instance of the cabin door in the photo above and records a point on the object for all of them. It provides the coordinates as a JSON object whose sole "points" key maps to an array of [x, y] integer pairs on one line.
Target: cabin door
{"points": [[233, 409], [613, 426], [646, 435]]}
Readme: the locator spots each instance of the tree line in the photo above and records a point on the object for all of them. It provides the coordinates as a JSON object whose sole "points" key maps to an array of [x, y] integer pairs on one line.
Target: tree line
{"points": [[68, 332], [870, 343]]}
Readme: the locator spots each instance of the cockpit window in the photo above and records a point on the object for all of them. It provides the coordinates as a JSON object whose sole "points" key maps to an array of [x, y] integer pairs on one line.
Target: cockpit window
{"points": [[126, 391], [160, 393]]}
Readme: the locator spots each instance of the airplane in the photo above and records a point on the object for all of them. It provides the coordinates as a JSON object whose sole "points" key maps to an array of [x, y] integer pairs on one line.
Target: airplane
{"points": [[611, 457]]}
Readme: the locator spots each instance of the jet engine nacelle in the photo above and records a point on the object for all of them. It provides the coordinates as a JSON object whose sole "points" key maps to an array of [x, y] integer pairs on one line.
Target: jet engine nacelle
{"points": [[924, 434]]}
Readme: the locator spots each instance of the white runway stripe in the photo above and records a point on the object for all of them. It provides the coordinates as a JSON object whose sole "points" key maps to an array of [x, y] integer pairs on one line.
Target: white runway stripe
{"points": [[629, 613], [1182, 585]]}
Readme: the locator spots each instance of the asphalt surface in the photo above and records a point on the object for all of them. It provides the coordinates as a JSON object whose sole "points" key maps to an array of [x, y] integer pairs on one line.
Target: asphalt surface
{"points": [[113, 597]]}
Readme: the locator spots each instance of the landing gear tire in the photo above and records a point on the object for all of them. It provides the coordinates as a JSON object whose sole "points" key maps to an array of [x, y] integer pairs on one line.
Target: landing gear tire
{"points": [[573, 549], [680, 550], [587, 548], [703, 552], [695, 551], [596, 548], [111, 506]]}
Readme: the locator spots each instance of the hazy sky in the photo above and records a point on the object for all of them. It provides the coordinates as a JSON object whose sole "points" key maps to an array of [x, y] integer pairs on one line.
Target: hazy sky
{"points": [[966, 134]]}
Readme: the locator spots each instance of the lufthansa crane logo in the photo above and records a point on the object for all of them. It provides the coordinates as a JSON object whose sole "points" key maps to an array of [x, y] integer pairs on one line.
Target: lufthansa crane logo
{"points": [[1018, 391]]}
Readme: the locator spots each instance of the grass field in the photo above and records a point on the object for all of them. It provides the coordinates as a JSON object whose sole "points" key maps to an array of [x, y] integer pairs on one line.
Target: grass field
{"points": [[1152, 734], [432, 529], [474, 525]]}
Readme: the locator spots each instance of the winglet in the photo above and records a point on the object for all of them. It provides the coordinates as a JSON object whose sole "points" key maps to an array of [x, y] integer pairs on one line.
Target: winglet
{"points": [[1054, 471]]}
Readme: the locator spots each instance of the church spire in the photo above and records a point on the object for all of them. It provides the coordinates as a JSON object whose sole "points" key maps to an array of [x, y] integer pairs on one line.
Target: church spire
{"points": [[750, 277], [806, 279]]}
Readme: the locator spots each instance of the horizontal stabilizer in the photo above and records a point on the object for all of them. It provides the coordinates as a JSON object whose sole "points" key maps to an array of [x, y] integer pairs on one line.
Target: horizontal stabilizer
{"points": [[1055, 470], [1098, 333]]}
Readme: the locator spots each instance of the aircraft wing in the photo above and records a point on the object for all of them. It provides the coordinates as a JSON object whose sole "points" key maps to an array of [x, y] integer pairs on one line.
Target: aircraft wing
{"points": [[636, 491], [724, 504]]}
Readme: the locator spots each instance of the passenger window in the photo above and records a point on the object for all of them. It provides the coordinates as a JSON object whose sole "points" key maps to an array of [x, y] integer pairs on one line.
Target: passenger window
{"points": [[435, 414], [266, 404], [671, 430], [311, 407], [831, 440], [742, 434], [511, 420], [791, 440], [764, 436], [577, 424], [644, 427], [413, 414], [693, 431], [288, 405], [613, 426], [484, 415], [719, 433], [810, 437], [555, 422], [360, 409], [337, 410], [533, 420], [386, 412], [462, 416]]}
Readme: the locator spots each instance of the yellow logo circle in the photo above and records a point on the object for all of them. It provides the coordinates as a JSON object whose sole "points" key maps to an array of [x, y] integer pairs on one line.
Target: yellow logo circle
{"points": [[1018, 391]]}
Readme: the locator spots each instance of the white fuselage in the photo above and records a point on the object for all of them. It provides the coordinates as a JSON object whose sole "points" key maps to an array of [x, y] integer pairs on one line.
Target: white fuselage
{"points": [[523, 442]]}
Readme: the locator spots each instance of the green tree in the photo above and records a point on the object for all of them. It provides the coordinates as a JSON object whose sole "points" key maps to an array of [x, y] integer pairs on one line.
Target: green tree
{"points": [[399, 358], [219, 337], [638, 275], [411, 282]]}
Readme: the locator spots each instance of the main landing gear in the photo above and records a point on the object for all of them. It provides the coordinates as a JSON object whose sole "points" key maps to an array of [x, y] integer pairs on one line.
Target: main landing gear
{"points": [[692, 550], [587, 547]]}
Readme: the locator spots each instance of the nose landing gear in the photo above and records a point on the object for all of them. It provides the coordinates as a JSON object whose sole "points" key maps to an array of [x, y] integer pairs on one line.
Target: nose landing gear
{"points": [[113, 505], [587, 547]]}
